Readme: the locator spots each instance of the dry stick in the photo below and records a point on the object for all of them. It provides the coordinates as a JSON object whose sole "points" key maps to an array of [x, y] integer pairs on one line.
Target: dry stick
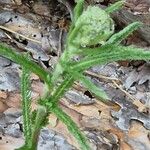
{"points": [[124, 91], [9, 30], [8, 36], [101, 76], [60, 43]]}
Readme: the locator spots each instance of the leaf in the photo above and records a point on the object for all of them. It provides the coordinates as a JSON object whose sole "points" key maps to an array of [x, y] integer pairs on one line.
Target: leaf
{"points": [[114, 53], [72, 127], [24, 61], [26, 104], [40, 121], [93, 88], [115, 6], [118, 37], [60, 91], [78, 10]]}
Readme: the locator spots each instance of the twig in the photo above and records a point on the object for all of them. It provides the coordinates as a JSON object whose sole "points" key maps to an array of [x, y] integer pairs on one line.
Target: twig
{"points": [[101, 76], [9, 30], [124, 91], [60, 43]]}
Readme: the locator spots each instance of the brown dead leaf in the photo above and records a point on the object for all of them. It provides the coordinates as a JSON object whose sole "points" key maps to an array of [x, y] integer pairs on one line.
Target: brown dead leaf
{"points": [[62, 129], [90, 122], [41, 9], [3, 106], [121, 136], [13, 99], [10, 143], [139, 135], [3, 94], [37, 89], [124, 63]]}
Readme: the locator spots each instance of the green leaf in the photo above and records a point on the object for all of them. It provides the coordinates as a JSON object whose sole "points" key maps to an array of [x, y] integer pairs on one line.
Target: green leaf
{"points": [[25, 62], [88, 52], [57, 72], [91, 86], [40, 121], [72, 127], [114, 53], [118, 37], [78, 10], [26, 104], [115, 6]]}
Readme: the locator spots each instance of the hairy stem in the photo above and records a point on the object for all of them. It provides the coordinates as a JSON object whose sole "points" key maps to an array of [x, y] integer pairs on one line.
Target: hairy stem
{"points": [[60, 91]]}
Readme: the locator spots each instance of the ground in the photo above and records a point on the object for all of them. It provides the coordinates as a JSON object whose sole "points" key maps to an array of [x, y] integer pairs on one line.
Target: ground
{"points": [[40, 27]]}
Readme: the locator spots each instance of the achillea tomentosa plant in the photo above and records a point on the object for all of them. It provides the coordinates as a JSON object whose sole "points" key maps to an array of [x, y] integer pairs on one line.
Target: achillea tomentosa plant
{"points": [[92, 38]]}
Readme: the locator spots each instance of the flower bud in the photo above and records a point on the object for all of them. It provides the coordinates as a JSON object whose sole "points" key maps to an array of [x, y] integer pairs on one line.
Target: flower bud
{"points": [[94, 26]]}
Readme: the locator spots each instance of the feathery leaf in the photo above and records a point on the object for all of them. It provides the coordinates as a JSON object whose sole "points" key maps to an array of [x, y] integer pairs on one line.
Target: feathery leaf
{"points": [[115, 6], [118, 37], [91, 86], [40, 120], [72, 127], [24, 61], [26, 104], [78, 9], [60, 91], [115, 53]]}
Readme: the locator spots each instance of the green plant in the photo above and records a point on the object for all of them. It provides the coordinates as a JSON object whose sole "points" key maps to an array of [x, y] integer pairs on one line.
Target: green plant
{"points": [[92, 38]]}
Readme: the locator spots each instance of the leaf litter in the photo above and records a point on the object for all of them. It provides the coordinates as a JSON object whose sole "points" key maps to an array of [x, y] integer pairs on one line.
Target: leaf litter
{"points": [[107, 127]]}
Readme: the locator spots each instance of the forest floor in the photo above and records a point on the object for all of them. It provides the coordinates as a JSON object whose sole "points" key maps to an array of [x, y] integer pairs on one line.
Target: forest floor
{"points": [[40, 27]]}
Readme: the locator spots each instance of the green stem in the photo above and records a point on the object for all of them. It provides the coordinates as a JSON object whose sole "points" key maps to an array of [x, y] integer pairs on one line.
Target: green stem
{"points": [[60, 91], [115, 6]]}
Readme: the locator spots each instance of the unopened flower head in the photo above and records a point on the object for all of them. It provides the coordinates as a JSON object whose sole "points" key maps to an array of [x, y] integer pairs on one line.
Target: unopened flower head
{"points": [[94, 26]]}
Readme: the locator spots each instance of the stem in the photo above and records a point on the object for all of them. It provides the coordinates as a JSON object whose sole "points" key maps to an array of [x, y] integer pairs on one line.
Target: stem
{"points": [[60, 91], [115, 6]]}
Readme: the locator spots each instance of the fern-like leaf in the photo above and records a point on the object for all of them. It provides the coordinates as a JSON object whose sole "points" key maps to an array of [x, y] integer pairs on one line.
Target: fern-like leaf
{"points": [[78, 9], [115, 6], [60, 91], [25, 62], [26, 104], [118, 37], [114, 53], [40, 121], [92, 87], [72, 127]]}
